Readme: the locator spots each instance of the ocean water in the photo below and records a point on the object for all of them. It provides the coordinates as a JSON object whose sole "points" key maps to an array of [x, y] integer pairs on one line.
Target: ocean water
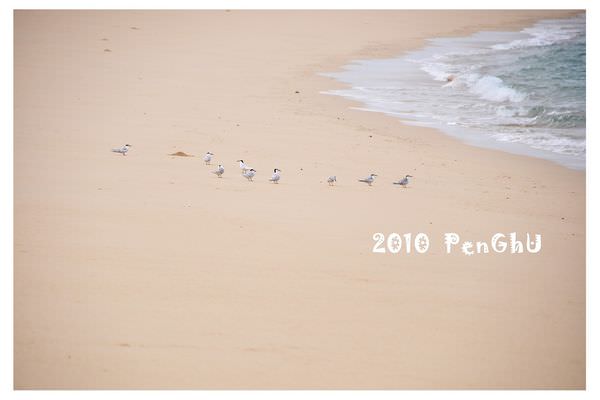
{"points": [[522, 92]]}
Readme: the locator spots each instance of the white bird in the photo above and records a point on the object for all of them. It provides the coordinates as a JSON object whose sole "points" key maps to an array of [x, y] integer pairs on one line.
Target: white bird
{"points": [[404, 181], [275, 177], [208, 157], [244, 167], [123, 150], [369, 179], [331, 180], [219, 171], [249, 174]]}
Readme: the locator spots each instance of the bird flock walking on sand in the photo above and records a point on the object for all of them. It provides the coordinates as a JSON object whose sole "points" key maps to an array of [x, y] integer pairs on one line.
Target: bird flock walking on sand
{"points": [[249, 172]]}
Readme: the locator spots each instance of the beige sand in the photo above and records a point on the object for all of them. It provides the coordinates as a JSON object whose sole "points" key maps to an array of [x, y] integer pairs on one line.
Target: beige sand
{"points": [[146, 271]]}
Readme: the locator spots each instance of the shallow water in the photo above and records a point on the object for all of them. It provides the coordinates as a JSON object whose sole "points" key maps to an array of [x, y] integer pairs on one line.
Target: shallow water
{"points": [[522, 92]]}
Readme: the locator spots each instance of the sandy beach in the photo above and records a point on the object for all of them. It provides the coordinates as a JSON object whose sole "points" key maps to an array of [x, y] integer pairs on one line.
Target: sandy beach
{"points": [[147, 271]]}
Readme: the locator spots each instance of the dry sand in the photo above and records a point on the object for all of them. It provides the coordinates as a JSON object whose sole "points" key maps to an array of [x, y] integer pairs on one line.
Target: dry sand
{"points": [[146, 271]]}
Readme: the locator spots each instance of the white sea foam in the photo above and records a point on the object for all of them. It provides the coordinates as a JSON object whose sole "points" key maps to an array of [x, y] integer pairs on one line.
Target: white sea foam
{"points": [[492, 88], [545, 141], [439, 71], [545, 33]]}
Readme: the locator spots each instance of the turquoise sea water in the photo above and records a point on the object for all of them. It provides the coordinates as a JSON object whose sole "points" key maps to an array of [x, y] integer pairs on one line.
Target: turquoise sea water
{"points": [[522, 92]]}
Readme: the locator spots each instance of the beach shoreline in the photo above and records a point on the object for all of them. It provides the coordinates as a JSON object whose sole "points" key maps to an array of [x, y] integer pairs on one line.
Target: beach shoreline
{"points": [[146, 271], [463, 82]]}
